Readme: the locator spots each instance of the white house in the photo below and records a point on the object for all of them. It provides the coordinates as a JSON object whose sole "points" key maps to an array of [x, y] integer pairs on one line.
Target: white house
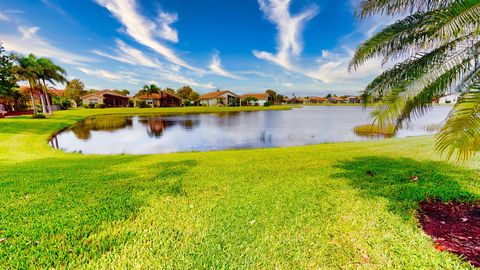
{"points": [[222, 98], [449, 99], [261, 98]]}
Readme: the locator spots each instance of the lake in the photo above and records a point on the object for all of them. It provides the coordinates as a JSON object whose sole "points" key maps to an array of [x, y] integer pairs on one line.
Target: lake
{"points": [[234, 130]]}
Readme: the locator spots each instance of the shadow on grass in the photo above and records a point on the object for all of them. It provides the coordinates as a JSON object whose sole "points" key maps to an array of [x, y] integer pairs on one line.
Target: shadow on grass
{"points": [[53, 210], [396, 180]]}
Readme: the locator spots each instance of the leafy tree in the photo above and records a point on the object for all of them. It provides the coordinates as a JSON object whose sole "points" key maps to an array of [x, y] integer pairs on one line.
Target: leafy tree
{"points": [[184, 92], [249, 101], [273, 96], [194, 96], [170, 91], [7, 76], [441, 45], [74, 90], [124, 92]]}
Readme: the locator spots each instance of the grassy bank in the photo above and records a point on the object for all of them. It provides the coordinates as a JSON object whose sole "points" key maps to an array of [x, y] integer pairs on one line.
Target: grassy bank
{"points": [[345, 205]]}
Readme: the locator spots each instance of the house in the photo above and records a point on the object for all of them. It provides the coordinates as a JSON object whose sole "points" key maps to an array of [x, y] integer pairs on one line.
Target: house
{"points": [[449, 99], [316, 100], [261, 98], [337, 100], [162, 99], [25, 91], [221, 98], [107, 97], [296, 100], [355, 99]]}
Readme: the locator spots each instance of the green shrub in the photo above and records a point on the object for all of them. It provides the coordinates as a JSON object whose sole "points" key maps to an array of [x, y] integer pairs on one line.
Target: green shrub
{"points": [[100, 106], [39, 116], [86, 106], [375, 130], [91, 106], [266, 104], [187, 102], [62, 102], [142, 104]]}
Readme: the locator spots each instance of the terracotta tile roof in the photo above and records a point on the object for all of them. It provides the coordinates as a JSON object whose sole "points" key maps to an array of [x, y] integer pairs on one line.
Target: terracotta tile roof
{"points": [[158, 96], [57, 92], [102, 93], [151, 96], [36, 91], [318, 98], [263, 96], [26, 90], [215, 94]]}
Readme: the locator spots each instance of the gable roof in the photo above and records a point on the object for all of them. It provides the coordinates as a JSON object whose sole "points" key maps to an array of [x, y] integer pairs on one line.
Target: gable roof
{"points": [[262, 96], [25, 90], [160, 95], [102, 93], [216, 94], [318, 98]]}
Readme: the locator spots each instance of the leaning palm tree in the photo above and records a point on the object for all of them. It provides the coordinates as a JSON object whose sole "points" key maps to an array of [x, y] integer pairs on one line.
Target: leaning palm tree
{"points": [[49, 72], [437, 50], [26, 69]]}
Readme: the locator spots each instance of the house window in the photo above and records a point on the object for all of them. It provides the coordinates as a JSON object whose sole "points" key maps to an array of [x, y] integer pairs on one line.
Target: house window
{"points": [[93, 101]]}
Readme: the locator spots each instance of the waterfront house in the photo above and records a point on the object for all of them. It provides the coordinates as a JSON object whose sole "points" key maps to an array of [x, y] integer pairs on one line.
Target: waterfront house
{"points": [[316, 100], [337, 100], [354, 99], [107, 97], [162, 99], [261, 98], [220, 98]]}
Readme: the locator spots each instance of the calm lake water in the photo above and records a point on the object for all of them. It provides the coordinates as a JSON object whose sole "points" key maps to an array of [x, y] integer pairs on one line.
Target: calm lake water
{"points": [[203, 132]]}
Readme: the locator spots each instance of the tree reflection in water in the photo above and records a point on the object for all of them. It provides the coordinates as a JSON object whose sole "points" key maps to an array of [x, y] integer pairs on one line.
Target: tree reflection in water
{"points": [[101, 123], [157, 125]]}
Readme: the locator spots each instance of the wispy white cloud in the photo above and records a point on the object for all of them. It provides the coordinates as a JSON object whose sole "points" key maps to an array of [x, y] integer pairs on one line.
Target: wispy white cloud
{"points": [[127, 54], [216, 67], [145, 31], [333, 68], [4, 17], [54, 5], [289, 27], [120, 76], [166, 31], [28, 41], [132, 56]]}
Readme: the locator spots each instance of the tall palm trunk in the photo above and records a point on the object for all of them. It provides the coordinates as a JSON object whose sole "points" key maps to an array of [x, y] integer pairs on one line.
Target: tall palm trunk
{"points": [[42, 97], [32, 98], [49, 106], [42, 100]]}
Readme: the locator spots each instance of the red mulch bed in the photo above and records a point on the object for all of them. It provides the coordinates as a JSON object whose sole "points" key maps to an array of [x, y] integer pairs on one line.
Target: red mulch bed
{"points": [[454, 227]]}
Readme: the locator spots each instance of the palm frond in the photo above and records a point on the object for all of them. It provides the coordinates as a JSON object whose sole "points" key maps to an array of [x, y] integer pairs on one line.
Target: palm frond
{"points": [[391, 7], [460, 135], [460, 19]]}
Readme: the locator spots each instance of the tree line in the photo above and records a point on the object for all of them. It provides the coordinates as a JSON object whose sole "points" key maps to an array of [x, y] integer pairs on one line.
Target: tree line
{"points": [[38, 72]]}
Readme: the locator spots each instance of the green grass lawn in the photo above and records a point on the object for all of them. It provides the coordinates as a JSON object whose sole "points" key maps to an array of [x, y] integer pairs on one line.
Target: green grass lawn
{"points": [[330, 206]]}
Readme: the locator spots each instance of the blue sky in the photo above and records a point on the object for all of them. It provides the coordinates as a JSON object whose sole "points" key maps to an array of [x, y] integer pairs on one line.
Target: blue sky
{"points": [[292, 46]]}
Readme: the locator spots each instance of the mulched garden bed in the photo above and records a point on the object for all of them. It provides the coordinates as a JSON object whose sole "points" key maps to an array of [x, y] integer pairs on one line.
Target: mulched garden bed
{"points": [[454, 227]]}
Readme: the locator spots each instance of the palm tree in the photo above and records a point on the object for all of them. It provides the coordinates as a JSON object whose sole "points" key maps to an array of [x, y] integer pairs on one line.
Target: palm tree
{"points": [[150, 89], [437, 46], [50, 72], [26, 69]]}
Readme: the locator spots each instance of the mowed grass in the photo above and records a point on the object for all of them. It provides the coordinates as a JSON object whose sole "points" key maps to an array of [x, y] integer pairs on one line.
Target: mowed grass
{"points": [[330, 206]]}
